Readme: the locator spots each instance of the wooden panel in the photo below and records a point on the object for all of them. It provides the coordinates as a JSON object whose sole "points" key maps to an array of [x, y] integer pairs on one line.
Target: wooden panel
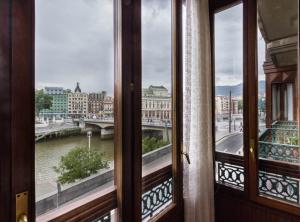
{"points": [[234, 209], [5, 126], [22, 103]]}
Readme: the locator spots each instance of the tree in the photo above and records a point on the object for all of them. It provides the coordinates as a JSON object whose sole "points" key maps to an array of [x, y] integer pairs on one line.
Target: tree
{"points": [[240, 104], [151, 143], [79, 163], [42, 101]]}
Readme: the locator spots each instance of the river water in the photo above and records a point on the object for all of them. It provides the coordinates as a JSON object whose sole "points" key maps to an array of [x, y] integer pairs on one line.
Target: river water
{"points": [[48, 154]]}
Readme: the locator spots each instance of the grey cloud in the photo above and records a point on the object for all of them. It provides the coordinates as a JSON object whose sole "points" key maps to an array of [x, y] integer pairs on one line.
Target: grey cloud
{"points": [[74, 42]]}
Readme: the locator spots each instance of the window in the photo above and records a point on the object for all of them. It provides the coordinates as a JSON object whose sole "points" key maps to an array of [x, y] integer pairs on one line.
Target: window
{"points": [[74, 58], [157, 129], [278, 129], [268, 170], [60, 55], [229, 97]]}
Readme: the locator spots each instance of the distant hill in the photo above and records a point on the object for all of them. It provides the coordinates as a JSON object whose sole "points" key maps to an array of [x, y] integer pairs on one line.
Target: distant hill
{"points": [[237, 90]]}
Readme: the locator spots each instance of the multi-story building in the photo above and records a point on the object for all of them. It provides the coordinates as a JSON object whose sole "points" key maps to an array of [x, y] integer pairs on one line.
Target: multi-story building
{"points": [[156, 103], [222, 105], [59, 108], [96, 103], [108, 107], [77, 103], [54, 90]]}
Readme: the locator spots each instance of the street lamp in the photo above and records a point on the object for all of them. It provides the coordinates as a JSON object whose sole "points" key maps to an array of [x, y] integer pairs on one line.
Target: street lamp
{"points": [[89, 135]]}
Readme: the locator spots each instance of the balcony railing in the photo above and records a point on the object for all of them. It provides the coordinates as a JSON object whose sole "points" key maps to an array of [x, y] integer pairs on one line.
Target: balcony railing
{"points": [[285, 124], [279, 181], [280, 143]]}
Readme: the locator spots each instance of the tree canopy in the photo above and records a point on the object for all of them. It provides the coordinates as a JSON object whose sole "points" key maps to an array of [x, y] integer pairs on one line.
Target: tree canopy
{"points": [[42, 101], [79, 163]]}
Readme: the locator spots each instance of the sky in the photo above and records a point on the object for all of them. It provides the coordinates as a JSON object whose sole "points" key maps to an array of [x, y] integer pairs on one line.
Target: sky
{"points": [[74, 43], [229, 47]]}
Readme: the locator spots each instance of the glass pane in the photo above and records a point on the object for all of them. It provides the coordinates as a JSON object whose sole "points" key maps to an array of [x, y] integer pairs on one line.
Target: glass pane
{"points": [[278, 137], [156, 100], [229, 80], [74, 109]]}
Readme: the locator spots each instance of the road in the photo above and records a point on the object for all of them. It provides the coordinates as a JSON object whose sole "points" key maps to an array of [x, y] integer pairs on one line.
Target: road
{"points": [[231, 143]]}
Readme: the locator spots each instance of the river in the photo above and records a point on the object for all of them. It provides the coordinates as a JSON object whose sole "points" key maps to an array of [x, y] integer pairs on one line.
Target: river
{"points": [[48, 154]]}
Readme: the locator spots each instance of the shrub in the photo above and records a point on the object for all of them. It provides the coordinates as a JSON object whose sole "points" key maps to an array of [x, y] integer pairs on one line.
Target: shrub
{"points": [[151, 143], [79, 163]]}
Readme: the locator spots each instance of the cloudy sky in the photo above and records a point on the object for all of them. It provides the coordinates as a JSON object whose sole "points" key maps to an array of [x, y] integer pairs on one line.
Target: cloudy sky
{"points": [[229, 47], [74, 43]]}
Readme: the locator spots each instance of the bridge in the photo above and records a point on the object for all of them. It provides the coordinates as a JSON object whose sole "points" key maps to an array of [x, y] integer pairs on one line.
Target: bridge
{"points": [[106, 126], [103, 126]]}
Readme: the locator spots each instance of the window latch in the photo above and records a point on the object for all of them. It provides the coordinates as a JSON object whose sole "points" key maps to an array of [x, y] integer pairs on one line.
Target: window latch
{"points": [[187, 156]]}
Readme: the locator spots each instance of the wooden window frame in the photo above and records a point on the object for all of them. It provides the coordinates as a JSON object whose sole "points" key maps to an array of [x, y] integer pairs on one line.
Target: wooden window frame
{"points": [[17, 41], [251, 162]]}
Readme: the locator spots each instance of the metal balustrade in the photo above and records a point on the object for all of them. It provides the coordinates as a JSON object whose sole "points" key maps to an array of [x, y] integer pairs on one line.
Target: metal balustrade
{"points": [[285, 124], [280, 143], [279, 186], [230, 175], [155, 199], [279, 152]]}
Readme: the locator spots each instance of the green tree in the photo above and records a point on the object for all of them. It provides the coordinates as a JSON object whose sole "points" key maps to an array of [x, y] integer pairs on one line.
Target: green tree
{"points": [[79, 163], [42, 101], [151, 143], [240, 104]]}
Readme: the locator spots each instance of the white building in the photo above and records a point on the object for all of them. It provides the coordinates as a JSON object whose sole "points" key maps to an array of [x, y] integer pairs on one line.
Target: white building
{"points": [[156, 104], [77, 103], [222, 105], [108, 107]]}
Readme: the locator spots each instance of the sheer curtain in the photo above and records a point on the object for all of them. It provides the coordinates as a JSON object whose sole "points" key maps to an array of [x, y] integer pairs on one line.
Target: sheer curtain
{"points": [[198, 176]]}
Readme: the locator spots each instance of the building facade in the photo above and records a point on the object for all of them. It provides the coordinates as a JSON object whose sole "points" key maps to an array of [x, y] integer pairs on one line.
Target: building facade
{"points": [[59, 108], [156, 104], [77, 103], [96, 103], [222, 105], [108, 107]]}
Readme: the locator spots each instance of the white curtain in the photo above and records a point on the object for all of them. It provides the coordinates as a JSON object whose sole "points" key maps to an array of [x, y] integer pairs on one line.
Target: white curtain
{"points": [[198, 176]]}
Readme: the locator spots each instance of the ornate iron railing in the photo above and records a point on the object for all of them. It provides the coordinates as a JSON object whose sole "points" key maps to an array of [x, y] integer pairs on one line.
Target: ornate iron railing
{"points": [[279, 144], [280, 152], [285, 124], [156, 198], [230, 175], [279, 186]]}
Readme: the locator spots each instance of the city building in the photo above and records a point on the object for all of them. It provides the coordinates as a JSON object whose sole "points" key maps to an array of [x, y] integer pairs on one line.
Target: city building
{"points": [[59, 108], [108, 107], [77, 103], [156, 103], [222, 105], [96, 103]]}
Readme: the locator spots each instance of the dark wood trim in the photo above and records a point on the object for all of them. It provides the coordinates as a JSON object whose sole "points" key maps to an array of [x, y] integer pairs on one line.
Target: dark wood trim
{"points": [[128, 158], [167, 215], [220, 189], [91, 210], [281, 168], [5, 110], [250, 58], [177, 107], [154, 179], [229, 158], [22, 92]]}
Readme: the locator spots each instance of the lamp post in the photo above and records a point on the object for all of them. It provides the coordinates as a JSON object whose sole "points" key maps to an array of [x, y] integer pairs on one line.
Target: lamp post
{"points": [[89, 135]]}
